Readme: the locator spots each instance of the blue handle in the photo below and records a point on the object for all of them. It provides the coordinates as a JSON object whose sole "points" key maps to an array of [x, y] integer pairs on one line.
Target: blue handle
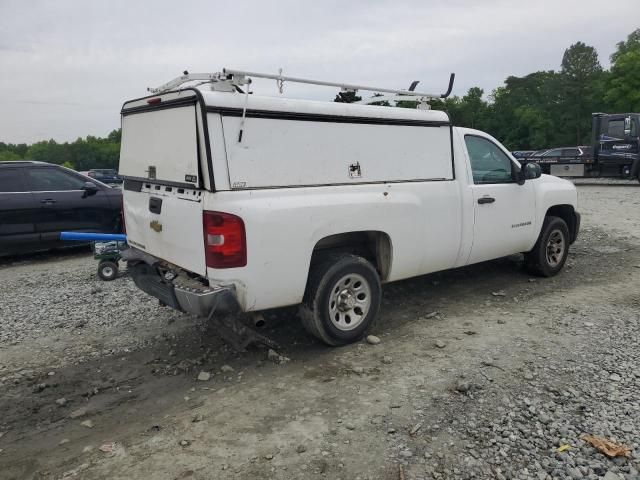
{"points": [[93, 237]]}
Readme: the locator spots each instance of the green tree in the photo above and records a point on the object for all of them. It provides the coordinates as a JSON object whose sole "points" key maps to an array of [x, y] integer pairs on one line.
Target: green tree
{"points": [[7, 156], [115, 136], [523, 112], [631, 44], [580, 76], [473, 109], [623, 83]]}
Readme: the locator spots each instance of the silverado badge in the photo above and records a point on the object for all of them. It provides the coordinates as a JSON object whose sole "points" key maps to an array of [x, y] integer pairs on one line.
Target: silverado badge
{"points": [[155, 226]]}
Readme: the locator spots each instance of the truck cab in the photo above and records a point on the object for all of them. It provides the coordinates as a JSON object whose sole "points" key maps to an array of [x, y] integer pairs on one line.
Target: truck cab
{"points": [[616, 143]]}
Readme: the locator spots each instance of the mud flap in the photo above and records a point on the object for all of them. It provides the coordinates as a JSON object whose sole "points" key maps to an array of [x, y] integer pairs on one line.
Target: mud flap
{"points": [[635, 168], [233, 330], [237, 334]]}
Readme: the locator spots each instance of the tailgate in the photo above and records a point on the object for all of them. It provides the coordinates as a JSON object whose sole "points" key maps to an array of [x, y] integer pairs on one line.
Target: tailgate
{"points": [[166, 222], [160, 162]]}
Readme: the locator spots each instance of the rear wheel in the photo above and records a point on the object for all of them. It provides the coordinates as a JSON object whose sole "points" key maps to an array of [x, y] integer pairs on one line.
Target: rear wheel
{"points": [[550, 252], [107, 270], [342, 299]]}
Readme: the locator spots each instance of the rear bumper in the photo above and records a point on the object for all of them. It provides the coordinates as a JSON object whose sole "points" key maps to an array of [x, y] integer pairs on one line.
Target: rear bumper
{"points": [[200, 301]]}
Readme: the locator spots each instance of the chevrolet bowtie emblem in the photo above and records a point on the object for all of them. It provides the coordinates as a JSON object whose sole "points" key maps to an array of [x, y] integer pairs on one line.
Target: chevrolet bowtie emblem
{"points": [[155, 226]]}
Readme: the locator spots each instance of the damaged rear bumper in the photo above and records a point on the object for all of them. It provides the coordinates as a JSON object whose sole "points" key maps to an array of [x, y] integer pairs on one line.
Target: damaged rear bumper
{"points": [[200, 301]]}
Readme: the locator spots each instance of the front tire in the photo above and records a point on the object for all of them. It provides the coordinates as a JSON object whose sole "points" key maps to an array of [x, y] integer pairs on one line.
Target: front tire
{"points": [[550, 252], [342, 299]]}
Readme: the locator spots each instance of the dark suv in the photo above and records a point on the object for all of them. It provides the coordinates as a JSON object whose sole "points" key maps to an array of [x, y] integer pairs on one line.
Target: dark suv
{"points": [[105, 175], [39, 200]]}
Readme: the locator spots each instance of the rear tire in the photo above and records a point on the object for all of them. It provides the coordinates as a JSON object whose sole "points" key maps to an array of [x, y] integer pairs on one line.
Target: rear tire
{"points": [[549, 254], [107, 270], [342, 299]]}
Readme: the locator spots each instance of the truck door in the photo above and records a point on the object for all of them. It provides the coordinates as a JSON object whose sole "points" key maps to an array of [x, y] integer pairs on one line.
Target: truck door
{"points": [[503, 210], [617, 141], [64, 205]]}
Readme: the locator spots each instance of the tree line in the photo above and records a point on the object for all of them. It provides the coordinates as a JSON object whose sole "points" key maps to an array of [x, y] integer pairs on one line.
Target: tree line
{"points": [[543, 109], [549, 108], [553, 108], [83, 154]]}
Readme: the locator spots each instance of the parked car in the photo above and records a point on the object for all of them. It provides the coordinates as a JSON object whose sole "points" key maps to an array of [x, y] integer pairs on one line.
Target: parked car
{"points": [[566, 152], [39, 200], [247, 203], [518, 154], [105, 175], [538, 153], [563, 161]]}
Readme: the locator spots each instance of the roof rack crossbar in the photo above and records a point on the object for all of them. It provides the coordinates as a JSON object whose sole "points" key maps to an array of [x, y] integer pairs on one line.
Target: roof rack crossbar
{"points": [[229, 78], [343, 86]]}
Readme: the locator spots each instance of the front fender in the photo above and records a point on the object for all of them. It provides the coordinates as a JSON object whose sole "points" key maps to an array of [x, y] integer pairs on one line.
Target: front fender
{"points": [[553, 193]]}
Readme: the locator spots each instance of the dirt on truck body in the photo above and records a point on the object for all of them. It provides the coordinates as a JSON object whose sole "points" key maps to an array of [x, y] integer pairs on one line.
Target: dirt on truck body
{"points": [[479, 372]]}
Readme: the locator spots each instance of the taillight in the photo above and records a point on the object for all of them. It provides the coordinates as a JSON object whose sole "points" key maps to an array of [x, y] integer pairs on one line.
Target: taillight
{"points": [[225, 241]]}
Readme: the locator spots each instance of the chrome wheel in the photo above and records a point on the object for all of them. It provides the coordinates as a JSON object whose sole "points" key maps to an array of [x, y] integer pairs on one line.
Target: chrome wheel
{"points": [[349, 301], [555, 248]]}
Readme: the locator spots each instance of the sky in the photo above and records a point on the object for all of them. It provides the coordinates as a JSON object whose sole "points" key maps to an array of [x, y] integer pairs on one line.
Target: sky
{"points": [[66, 66]]}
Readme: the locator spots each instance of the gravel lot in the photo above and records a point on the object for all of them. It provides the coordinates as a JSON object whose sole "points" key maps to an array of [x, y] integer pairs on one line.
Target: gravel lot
{"points": [[481, 372]]}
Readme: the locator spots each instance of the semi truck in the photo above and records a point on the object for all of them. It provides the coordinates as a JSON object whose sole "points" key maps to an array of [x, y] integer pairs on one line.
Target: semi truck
{"points": [[614, 151]]}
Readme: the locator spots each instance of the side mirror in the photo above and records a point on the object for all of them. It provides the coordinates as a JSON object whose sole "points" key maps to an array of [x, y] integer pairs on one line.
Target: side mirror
{"points": [[89, 188], [532, 171], [627, 126]]}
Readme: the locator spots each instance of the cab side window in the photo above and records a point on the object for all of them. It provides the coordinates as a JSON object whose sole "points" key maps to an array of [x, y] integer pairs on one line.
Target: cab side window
{"points": [[616, 128], [489, 164], [52, 180]]}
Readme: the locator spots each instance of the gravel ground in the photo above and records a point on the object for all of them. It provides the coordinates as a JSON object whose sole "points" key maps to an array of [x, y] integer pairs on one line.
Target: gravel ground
{"points": [[481, 372], [51, 299], [513, 428]]}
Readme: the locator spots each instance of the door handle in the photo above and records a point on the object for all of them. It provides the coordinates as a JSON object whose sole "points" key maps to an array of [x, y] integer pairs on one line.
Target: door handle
{"points": [[48, 201], [482, 200]]}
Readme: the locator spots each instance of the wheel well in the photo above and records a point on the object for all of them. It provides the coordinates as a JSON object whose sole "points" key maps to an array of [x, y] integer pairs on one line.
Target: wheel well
{"points": [[373, 245], [567, 213]]}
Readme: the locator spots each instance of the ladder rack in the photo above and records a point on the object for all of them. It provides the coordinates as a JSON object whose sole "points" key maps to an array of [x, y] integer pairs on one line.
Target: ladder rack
{"points": [[230, 80]]}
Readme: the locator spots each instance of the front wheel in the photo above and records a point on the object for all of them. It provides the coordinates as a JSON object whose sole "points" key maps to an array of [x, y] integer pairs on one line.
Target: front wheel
{"points": [[550, 252], [342, 299]]}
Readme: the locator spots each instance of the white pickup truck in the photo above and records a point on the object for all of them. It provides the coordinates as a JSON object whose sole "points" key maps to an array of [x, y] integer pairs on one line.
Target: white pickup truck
{"points": [[238, 202]]}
